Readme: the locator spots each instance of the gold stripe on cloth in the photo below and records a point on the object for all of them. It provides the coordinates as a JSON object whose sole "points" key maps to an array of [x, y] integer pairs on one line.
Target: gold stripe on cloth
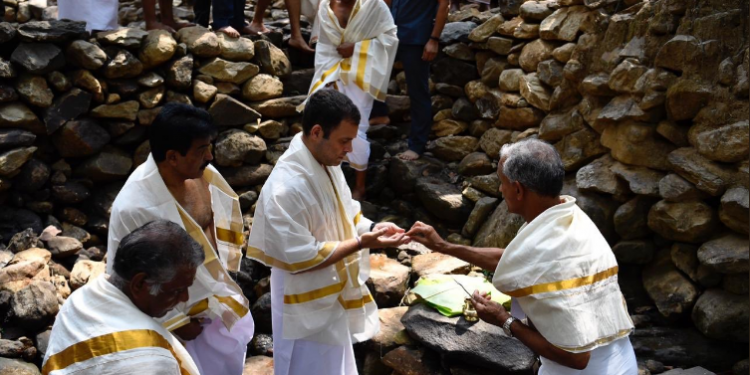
{"points": [[230, 236], [564, 284], [199, 307], [268, 260], [109, 344], [599, 342], [356, 303], [324, 76], [291, 299], [230, 302], [176, 322], [362, 65]]}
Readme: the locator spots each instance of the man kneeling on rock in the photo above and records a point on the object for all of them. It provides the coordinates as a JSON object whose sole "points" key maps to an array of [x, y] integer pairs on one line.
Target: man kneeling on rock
{"points": [[559, 270], [107, 326]]}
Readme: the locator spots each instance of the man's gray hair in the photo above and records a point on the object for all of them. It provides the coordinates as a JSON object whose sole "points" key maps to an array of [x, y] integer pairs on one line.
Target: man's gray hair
{"points": [[159, 249], [535, 164]]}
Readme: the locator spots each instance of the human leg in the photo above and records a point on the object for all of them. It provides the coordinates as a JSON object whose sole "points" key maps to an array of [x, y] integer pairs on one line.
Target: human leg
{"points": [[167, 17], [202, 10], [257, 25], [296, 40], [417, 80], [223, 11]]}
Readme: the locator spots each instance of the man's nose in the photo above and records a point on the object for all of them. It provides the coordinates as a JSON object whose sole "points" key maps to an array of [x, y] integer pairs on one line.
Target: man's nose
{"points": [[348, 147]]}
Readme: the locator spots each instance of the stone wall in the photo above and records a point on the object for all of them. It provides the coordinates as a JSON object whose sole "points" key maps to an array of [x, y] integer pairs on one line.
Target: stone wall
{"points": [[647, 102]]}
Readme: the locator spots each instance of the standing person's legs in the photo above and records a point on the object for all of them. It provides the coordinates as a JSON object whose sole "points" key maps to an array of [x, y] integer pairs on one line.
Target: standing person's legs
{"points": [[223, 15], [360, 155], [417, 80], [294, 8], [257, 25], [202, 10], [238, 17]]}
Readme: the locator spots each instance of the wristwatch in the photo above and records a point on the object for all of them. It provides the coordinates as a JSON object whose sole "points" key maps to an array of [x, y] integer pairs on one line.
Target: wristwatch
{"points": [[506, 326]]}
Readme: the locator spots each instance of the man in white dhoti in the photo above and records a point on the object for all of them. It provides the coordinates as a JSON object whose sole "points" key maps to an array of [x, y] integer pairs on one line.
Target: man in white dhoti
{"points": [[99, 15], [312, 233], [355, 53], [178, 184], [559, 270], [107, 326]]}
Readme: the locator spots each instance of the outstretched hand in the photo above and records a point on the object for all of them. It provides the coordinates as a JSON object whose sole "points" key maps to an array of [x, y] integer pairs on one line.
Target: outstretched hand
{"points": [[380, 238], [489, 310], [426, 235]]}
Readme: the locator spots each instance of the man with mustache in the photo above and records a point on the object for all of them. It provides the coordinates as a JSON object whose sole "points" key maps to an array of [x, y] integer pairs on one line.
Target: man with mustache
{"points": [[177, 183]]}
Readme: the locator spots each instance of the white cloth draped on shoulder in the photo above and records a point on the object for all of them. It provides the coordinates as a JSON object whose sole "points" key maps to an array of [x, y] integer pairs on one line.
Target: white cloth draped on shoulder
{"points": [[100, 331], [563, 274], [304, 211], [214, 294], [372, 30]]}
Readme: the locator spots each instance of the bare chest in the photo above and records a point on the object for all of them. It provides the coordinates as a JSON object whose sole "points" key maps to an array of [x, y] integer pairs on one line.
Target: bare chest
{"points": [[342, 11], [196, 200]]}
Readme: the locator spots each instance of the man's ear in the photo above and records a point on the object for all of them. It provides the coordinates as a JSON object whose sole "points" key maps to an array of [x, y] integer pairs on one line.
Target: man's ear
{"points": [[520, 190], [316, 132], [138, 285], [171, 157]]}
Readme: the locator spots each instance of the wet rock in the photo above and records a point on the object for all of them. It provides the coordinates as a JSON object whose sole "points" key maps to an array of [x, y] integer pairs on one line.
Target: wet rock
{"points": [[227, 71], [579, 148], [629, 141], [11, 138], [227, 111], [708, 176], [199, 41], [38, 58], [642, 181], [672, 292], [388, 281], [130, 38], [109, 165], [480, 344], [262, 87], [722, 315], [272, 60], [597, 176], [438, 264], [691, 222], [726, 254], [535, 52], [247, 175], [453, 148], [180, 73], [158, 47], [279, 107]]}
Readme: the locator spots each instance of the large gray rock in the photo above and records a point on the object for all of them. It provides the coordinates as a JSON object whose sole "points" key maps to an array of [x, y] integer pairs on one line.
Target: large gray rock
{"points": [[634, 252], [499, 229], [692, 222], [65, 108], [125, 37], [457, 32], [579, 148], [38, 58], [388, 280], [674, 188], [404, 173], [708, 176], [535, 52], [443, 200], [235, 147], [272, 60], [199, 41], [631, 219], [564, 24], [598, 177], [673, 293], [685, 347], [630, 141], [110, 164], [80, 138], [229, 71], [722, 315], [453, 148], [641, 180], [228, 111], [728, 143], [34, 306], [480, 344], [726, 254], [734, 209], [53, 31], [482, 209], [247, 175]]}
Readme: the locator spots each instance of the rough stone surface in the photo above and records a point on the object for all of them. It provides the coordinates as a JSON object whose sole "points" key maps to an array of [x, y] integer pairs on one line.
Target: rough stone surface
{"points": [[199, 41], [388, 281], [262, 87], [228, 111], [480, 344], [443, 200], [726, 254], [672, 292], [438, 264], [734, 209], [691, 222], [35, 305], [722, 315], [38, 58]]}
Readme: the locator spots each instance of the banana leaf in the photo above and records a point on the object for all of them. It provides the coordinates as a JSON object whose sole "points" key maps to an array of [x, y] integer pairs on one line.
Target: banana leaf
{"points": [[443, 293]]}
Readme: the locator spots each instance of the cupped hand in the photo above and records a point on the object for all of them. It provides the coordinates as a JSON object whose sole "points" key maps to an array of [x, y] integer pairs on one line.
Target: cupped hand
{"points": [[426, 235]]}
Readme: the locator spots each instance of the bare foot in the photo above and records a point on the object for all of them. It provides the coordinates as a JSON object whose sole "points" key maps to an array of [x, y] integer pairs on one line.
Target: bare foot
{"points": [[229, 31], [158, 26], [300, 44], [178, 25], [408, 155], [256, 28]]}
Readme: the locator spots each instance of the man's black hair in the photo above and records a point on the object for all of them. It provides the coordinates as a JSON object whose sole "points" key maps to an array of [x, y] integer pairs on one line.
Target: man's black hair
{"points": [[328, 108], [176, 127]]}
